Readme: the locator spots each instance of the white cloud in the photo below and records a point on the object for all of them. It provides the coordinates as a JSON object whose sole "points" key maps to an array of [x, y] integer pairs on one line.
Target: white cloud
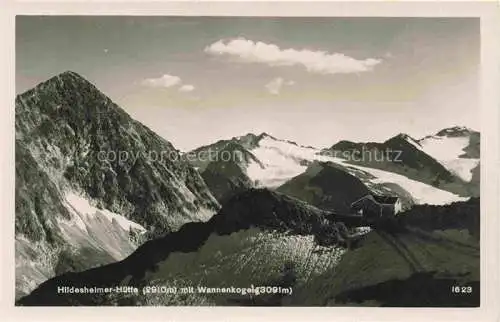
{"points": [[275, 85], [186, 88], [163, 81], [314, 61]]}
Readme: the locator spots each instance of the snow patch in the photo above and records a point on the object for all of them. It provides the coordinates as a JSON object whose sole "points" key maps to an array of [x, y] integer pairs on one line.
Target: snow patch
{"points": [[447, 151], [421, 193], [85, 209], [281, 160]]}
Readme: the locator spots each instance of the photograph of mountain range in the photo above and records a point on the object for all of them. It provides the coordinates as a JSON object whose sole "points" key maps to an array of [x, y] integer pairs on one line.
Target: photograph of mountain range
{"points": [[247, 161]]}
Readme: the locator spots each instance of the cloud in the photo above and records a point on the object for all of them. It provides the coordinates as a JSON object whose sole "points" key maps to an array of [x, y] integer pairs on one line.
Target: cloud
{"points": [[163, 81], [320, 62], [186, 88], [275, 85]]}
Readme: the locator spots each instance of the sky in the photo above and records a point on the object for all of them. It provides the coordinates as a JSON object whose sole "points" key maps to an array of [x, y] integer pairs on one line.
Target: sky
{"points": [[195, 80]]}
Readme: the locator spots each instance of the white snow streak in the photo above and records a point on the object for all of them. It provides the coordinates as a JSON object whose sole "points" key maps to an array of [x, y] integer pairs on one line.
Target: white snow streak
{"points": [[85, 209]]}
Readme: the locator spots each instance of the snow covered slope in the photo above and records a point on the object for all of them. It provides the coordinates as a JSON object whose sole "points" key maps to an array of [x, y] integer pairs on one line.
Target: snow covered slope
{"points": [[90, 235], [281, 160], [421, 193], [87, 212], [284, 160], [449, 148]]}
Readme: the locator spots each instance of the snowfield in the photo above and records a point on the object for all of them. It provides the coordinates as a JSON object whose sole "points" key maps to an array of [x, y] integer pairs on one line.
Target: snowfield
{"points": [[447, 150], [100, 229], [104, 233], [422, 193], [283, 160], [85, 211]]}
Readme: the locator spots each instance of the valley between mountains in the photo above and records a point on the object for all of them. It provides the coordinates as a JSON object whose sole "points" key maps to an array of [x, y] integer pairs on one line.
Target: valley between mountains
{"points": [[248, 210]]}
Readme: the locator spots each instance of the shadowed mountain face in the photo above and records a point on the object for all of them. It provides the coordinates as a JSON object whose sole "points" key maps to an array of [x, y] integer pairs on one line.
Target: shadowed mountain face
{"points": [[48, 240], [78, 134], [472, 150], [264, 238], [223, 167], [334, 187], [397, 154], [91, 182], [326, 187], [225, 179], [417, 159], [37, 198]]}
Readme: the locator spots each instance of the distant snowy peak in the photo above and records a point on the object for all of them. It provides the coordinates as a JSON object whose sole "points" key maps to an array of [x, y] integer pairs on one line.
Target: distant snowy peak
{"points": [[397, 140], [282, 160], [251, 141], [457, 148], [456, 131], [277, 161], [263, 159]]}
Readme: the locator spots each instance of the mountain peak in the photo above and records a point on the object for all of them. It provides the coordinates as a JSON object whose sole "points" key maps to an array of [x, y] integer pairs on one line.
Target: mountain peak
{"points": [[70, 73], [68, 76], [251, 140], [405, 137], [455, 131], [67, 83], [265, 135]]}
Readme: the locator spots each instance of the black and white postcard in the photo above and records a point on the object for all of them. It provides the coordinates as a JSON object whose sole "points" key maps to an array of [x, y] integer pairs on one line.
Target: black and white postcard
{"points": [[239, 160]]}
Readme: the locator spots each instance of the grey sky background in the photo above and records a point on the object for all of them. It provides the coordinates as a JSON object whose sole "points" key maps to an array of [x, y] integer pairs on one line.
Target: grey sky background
{"points": [[195, 80]]}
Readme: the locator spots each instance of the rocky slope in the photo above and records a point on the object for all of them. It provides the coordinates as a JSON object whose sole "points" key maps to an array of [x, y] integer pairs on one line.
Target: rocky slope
{"points": [[264, 238], [91, 182], [412, 262], [248, 215]]}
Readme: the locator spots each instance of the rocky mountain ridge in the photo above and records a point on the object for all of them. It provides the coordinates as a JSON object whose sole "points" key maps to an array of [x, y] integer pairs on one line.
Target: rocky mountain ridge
{"points": [[78, 204]]}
